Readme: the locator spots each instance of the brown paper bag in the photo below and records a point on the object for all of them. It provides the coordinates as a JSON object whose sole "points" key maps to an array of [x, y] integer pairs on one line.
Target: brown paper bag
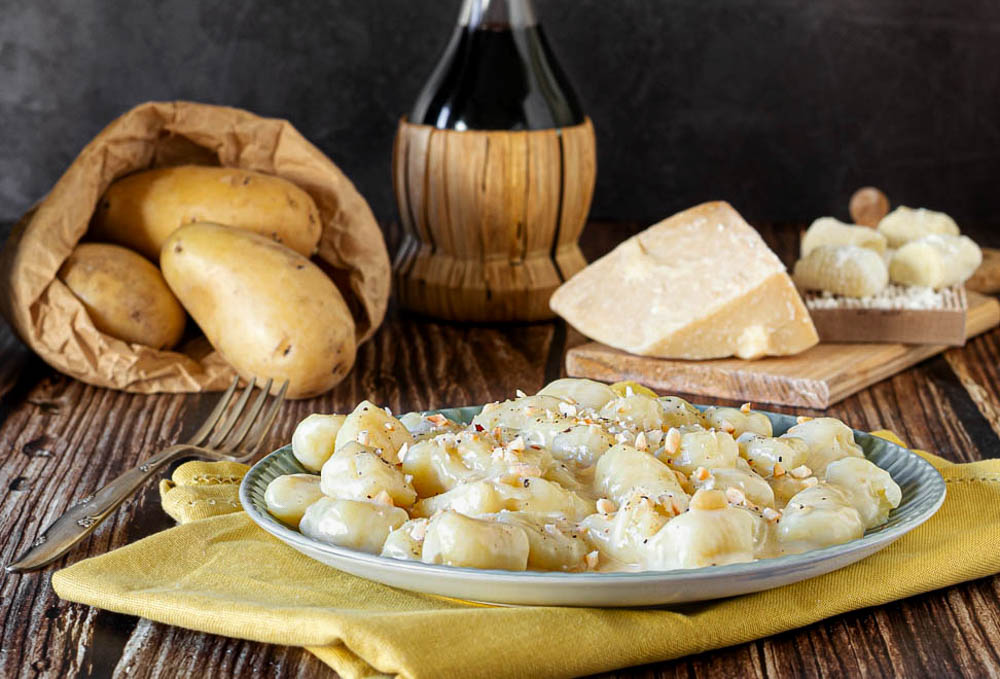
{"points": [[55, 324]]}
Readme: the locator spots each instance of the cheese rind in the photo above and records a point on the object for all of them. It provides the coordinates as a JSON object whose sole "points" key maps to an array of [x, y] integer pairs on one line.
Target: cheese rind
{"points": [[701, 284]]}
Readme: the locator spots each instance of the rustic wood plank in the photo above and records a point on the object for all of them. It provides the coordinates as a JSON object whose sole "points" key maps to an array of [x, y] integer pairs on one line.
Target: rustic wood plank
{"points": [[817, 377]]}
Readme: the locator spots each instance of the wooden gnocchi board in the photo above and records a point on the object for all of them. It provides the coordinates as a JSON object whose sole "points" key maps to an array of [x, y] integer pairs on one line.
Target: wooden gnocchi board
{"points": [[816, 378]]}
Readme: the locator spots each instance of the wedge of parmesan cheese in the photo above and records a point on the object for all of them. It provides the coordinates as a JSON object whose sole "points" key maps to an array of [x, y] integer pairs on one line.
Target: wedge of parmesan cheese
{"points": [[701, 284]]}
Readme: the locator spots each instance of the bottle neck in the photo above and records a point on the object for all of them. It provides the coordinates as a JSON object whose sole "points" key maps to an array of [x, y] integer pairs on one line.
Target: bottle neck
{"points": [[497, 14]]}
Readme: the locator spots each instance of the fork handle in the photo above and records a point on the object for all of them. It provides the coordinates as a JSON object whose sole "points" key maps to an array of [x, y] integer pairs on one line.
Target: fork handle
{"points": [[83, 518]]}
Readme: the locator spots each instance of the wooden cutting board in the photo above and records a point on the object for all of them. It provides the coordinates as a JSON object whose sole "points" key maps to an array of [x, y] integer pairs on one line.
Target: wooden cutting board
{"points": [[816, 378]]}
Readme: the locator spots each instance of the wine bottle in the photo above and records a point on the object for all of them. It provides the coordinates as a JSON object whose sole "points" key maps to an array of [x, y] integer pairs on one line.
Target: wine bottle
{"points": [[497, 73]]}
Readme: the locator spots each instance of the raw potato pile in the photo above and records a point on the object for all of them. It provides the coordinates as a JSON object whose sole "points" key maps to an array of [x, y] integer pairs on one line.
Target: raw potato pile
{"points": [[581, 476], [234, 248], [910, 247]]}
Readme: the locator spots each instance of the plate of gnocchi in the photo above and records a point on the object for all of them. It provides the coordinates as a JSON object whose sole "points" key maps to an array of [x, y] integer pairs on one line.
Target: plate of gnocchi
{"points": [[587, 494]]}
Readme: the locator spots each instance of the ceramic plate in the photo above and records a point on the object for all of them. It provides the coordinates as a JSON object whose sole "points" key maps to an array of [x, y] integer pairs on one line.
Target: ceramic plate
{"points": [[923, 492]]}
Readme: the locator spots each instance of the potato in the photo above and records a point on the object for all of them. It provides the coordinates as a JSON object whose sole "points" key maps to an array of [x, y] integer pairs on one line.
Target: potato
{"points": [[142, 210], [125, 296], [267, 310]]}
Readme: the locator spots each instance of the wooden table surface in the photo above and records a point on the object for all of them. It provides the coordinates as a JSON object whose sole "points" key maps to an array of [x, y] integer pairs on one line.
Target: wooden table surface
{"points": [[62, 439]]}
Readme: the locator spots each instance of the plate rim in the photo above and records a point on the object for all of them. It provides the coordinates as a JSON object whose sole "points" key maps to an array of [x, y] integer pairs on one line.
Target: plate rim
{"points": [[876, 539]]}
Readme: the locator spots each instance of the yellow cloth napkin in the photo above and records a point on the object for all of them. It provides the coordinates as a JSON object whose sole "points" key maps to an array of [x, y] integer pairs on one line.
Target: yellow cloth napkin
{"points": [[224, 575]]}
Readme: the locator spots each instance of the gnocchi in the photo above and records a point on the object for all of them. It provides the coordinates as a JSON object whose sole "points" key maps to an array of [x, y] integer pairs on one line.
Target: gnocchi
{"points": [[847, 270], [935, 261], [831, 231], [580, 477], [905, 224]]}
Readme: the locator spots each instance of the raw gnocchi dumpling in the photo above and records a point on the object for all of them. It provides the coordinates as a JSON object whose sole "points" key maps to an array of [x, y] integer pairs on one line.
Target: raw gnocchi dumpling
{"points": [[817, 517], [313, 439], [585, 393], [705, 448], [737, 422], [710, 533], [363, 526], [356, 472], [553, 543], [288, 496], [904, 224], [936, 261], [846, 270], [827, 439], [831, 231], [625, 469], [869, 489], [372, 426], [407, 541], [454, 539]]}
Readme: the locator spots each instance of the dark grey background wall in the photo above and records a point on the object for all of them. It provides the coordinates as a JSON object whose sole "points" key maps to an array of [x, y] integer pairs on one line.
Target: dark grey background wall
{"points": [[782, 107]]}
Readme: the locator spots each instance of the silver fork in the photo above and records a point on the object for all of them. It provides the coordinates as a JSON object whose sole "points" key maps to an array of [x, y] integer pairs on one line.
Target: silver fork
{"points": [[226, 443]]}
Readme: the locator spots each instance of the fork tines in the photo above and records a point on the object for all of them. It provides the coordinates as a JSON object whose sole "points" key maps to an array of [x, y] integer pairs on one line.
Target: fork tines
{"points": [[246, 438]]}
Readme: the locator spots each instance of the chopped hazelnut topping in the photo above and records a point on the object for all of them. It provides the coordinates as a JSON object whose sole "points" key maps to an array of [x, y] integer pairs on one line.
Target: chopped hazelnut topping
{"points": [[388, 426], [640, 441], [387, 411], [419, 530], [383, 498], [709, 499], [438, 420], [745, 408], [567, 409], [779, 471], [736, 496], [551, 529], [529, 470], [675, 505], [605, 506], [672, 442], [728, 427], [519, 393], [771, 515], [801, 472], [592, 559], [363, 437], [408, 478], [403, 450], [516, 444], [802, 418], [702, 474]]}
